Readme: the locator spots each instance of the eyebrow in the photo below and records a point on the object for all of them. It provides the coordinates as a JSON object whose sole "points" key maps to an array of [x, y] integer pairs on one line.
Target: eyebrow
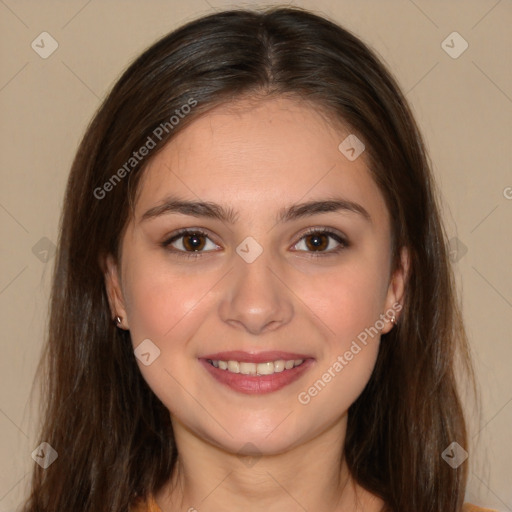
{"points": [[216, 211]]}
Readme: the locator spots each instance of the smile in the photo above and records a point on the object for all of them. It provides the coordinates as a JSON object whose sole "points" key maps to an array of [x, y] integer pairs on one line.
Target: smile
{"points": [[256, 373], [265, 368]]}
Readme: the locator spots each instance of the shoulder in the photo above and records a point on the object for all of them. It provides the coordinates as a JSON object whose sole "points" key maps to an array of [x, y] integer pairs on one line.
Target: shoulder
{"points": [[149, 505], [468, 507]]}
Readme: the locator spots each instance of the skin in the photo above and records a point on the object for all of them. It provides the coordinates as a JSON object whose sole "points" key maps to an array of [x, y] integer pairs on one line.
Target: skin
{"points": [[257, 157]]}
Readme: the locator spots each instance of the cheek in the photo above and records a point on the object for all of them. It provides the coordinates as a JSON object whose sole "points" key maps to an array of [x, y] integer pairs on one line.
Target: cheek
{"points": [[159, 299], [164, 307], [347, 300], [349, 304]]}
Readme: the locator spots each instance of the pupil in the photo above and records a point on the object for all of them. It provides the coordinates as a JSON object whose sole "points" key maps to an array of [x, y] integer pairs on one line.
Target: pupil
{"points": [[193, 242], [316, 241]]}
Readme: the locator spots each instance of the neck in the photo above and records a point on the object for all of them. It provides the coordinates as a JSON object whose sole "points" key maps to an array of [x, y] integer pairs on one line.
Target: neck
{"points": [[311, 476]]}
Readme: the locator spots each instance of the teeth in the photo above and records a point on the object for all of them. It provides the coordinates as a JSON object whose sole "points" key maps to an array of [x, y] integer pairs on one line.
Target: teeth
{"points": [[279, 365], [248, 368], [267, 368], [234, 366]]}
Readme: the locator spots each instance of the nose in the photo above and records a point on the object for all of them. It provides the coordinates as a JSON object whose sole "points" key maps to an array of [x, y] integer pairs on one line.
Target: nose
{"points": [[256, 298]]}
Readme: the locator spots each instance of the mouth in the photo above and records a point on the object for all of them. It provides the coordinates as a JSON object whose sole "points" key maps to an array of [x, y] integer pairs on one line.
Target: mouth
{"points": [[247, 368], [256, 373]]}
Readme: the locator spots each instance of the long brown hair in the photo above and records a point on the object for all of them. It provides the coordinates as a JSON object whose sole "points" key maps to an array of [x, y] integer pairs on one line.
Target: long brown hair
{"points": [[113, 436]]}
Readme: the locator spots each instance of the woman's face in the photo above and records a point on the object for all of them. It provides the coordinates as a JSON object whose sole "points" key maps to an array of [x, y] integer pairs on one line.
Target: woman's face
{"points": [[295, 313]]}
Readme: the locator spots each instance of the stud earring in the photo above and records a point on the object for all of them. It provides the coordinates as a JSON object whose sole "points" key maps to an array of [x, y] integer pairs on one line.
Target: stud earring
{"points": [[118, 320], [393, 319]]}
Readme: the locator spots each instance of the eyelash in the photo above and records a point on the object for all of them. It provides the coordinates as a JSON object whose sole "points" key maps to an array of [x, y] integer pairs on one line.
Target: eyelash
{"points": [[312, 231]]}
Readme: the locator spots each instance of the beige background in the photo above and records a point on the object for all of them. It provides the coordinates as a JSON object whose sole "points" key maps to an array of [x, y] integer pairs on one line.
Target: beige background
{"points": [[463, 106]]}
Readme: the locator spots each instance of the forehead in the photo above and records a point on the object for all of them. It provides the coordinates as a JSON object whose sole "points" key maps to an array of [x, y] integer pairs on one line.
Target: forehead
{"points": [[257, 156]]}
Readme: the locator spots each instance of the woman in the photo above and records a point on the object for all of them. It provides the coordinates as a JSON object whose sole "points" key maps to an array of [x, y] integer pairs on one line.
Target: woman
{"points": [[253, 206]]}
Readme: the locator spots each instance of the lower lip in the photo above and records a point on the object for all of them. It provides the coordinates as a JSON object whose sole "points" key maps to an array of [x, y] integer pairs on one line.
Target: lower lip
{"points": [[253, 385]]}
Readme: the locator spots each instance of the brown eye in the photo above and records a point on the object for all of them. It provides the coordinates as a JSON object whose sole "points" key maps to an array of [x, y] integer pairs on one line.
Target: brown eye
{"points": [[189, 241], [194, 242], [321, 242], [317, 242]]}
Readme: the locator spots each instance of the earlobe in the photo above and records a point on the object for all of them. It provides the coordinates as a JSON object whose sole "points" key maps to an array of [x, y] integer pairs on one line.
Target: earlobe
{"points": [[396, 291], [401, 275], [114, 292]]}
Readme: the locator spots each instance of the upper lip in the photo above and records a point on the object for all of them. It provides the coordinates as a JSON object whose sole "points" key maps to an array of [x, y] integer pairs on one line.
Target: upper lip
{"points": [[254, 357]]}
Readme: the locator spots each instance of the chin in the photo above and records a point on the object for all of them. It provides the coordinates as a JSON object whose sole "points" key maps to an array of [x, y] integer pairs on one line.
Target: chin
{"points": [[258, 440]]}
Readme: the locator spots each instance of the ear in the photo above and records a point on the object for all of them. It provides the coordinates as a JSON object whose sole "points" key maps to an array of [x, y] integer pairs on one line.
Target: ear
{"points": [[396, 290], [114, 290]]}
